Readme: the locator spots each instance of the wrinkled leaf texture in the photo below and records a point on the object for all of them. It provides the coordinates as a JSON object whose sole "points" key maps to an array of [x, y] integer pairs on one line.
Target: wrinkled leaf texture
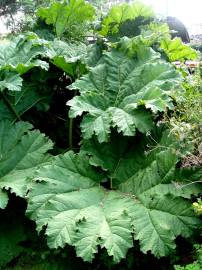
{"points": [[75, 209], [121, 91]]}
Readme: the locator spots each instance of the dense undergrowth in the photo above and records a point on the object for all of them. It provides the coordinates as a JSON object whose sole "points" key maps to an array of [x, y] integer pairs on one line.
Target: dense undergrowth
{"points": [[100, 151]]}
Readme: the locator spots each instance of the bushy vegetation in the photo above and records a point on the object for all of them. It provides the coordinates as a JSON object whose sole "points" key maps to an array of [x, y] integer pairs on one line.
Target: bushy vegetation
{"points": [[97, 129]]}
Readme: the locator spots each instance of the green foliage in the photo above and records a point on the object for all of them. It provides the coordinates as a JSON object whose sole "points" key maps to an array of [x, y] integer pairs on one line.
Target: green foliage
{"points": [[177, 51], [125, 19], [77, 211], [11, 234], [22, 152], [117, 180], [22, 54], [118, 90], [195, 265], [70, 57], [70, 17]]}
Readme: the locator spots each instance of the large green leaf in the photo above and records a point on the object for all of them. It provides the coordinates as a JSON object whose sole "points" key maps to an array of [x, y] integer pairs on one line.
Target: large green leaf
{"points": [[69, 16], [23, 53], [22, 151], [69, 202], [78, 211], [159, 220], [70, 57], [116, 92], [123, 17], [151, 176], [176, 50]]}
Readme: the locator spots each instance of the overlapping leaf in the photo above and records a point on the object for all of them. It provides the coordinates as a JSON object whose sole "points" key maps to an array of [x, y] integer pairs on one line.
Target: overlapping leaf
{"points": [[116, 92], [161, 212], [22, 151], [176, 50], [14, 104], [23, 53], [126, 19], [69, 16], [68, 57], [76, 210]]}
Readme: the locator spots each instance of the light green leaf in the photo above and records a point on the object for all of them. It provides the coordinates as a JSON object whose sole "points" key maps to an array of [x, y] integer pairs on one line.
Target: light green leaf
{"points": [[159, 220], [176, 50], [69, 203], [123, 13], [161, 213], [22, 151], [114, 90], [77, 211], [21, 54], [67, 16]]}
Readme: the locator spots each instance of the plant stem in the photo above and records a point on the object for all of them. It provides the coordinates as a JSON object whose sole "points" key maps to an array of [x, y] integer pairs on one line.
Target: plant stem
{"points": [[111, 183], [10, 106], [70, 133]]}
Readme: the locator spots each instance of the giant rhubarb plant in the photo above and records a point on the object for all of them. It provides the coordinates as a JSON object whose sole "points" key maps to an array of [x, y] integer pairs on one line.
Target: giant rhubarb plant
{"points": [[119, 187], [124, 183]]}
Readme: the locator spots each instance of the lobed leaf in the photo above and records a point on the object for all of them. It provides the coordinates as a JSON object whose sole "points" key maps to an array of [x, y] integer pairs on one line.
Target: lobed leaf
{"points": [[69, 203], [119, 89]]}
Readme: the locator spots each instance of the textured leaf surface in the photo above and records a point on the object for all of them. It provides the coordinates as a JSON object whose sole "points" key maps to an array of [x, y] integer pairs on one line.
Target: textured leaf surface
{"points": [[116, 92], [176, 50], [67, 17], [161, 212], [78, 211], [75, 210], [22, 151], [68, 56], [159, 220], [22, 54]]}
